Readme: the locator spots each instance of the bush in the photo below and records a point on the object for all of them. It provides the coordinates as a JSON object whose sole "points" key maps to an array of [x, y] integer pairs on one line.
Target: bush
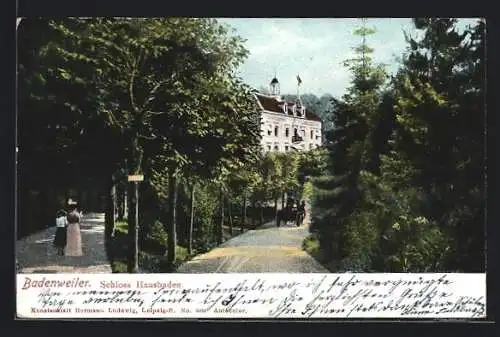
{"points": [[312, 247], [159, 264], [360, 238], [204, 221], [155, 239], [418, 245], [385, 231]]}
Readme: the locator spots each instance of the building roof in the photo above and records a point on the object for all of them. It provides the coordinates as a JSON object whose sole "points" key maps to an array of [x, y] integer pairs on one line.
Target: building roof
{"points": [[272, 104]]}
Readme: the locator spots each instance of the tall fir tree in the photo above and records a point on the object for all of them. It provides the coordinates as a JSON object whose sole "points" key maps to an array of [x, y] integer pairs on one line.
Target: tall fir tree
{"points": [[349, 145]]}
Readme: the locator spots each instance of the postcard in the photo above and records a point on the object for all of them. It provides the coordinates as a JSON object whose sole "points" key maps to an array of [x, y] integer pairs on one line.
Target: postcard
{"points": [[251, 168]]}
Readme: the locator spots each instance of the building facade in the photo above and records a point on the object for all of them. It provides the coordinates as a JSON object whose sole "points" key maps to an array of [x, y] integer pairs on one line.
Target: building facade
{"points": [[287, 125]]}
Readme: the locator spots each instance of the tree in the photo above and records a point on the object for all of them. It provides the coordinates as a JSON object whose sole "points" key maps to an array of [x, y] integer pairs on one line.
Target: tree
{"points": [[406, 188], [59, 107], [218, 130], [350, 149], [442, 84], [155, 83]]}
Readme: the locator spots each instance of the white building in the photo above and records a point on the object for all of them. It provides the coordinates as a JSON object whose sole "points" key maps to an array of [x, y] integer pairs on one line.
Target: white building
{"points": [[286, 125]]}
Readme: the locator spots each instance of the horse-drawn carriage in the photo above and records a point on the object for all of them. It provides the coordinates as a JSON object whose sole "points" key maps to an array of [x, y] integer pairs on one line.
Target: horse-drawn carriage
{"points": [[291, 213]]}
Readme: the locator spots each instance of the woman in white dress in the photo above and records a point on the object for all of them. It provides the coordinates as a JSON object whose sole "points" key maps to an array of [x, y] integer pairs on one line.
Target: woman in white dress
{"points": [[74, 237]]}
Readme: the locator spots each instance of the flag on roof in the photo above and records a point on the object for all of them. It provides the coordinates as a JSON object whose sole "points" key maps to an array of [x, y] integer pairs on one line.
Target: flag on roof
{"points": [[299, 80]]}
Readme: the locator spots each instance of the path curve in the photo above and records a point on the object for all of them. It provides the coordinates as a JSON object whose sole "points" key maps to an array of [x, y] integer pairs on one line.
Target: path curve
{"points": [[265, 250]]}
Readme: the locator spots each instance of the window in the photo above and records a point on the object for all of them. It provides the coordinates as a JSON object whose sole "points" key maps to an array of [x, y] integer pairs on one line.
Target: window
{"points": [[287, 132], [275, 147], [295, 132], [303, 133], [276, 131], [286, 147], [269, 147], [269, 132], [312, 134], [310, 146]]}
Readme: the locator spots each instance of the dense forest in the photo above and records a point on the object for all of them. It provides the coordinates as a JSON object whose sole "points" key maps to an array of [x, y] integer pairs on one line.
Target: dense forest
{"points": [[405, 183]]}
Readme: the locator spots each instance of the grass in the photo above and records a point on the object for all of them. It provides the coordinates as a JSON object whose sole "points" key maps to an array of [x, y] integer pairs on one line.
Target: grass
{"points": [[152, 263], [311, 246]]}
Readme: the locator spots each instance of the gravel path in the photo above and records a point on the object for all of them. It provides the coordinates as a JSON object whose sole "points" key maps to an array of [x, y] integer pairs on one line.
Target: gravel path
{"points": [[36, 254], [265, 250]]}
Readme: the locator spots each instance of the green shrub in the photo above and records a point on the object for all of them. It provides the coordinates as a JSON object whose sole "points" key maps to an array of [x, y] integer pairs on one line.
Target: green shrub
{"points": [[119, 266], [155, 239], [419, 245], [311, 246], [206, 211], [158, 263], [360, 238], [120, 245], [384, 231]]}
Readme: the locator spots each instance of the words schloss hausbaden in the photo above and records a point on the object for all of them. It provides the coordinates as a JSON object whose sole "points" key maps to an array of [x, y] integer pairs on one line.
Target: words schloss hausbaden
{"points": [[337, 294]]}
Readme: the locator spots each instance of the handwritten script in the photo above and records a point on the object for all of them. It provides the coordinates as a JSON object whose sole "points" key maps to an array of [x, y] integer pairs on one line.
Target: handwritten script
{"points": [[252, 295]]}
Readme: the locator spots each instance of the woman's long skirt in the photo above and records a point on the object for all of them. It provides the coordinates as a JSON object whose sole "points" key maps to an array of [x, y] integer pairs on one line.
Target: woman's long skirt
{"points": [[60, 239], [74, 240]]}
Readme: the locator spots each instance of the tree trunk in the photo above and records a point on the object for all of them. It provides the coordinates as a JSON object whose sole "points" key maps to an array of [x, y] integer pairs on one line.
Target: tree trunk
{"points": [[230, 216], [133, 226], [282, 200], [133, 218], [121, 203], [191, 221], [276, 209], [221, 223], [244, 218], [109, 219], [125, 203], [261, 218], [172, 228], [254, 213]]}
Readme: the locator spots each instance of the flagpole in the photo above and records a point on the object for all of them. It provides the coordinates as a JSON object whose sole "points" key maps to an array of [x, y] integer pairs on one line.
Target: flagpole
{"points": [[299, 81]]}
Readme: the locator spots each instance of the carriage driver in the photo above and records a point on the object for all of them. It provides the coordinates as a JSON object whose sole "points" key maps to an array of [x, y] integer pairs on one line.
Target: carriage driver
{"points": [[301, 212]]}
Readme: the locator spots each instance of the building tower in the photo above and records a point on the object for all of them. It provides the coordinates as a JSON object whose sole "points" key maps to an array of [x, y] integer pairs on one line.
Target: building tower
{"points": [[274, 87]]}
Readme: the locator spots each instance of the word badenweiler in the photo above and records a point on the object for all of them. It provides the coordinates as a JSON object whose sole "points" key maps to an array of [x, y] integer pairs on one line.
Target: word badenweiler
{"points": [[44, 282]]}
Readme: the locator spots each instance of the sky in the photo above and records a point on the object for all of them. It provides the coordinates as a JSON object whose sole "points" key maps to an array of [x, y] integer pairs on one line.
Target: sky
{"points": [[314, 49]]}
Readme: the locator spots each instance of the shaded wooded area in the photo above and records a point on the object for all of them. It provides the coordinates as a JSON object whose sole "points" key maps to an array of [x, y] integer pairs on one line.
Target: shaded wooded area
{"points": [[404, 190]]}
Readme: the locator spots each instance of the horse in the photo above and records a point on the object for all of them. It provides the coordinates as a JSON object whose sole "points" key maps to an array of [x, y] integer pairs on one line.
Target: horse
{"points": [[286, 214]]}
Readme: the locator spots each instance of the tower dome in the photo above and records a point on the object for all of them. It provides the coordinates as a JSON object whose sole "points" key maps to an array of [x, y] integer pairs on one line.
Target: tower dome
{"points": [[274, 87]]}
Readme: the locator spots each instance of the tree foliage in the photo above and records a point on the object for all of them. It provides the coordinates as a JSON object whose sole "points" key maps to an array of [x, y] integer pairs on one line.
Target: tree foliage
{"points": [[152, 96], [405, 183]]}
